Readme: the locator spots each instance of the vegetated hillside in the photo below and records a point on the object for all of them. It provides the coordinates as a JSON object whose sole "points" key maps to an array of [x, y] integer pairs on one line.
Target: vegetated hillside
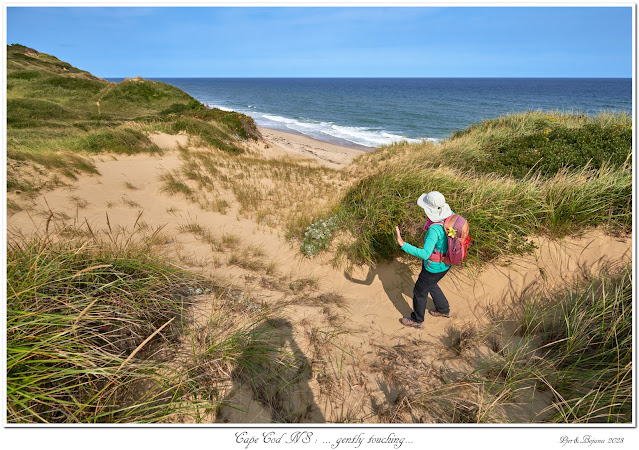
{"points": [[512, 177], [53, 89], [31, 63], [57, 114]]}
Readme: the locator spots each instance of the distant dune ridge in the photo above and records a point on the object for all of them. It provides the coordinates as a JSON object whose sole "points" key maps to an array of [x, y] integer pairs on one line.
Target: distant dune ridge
{"points": [[173, 263]]}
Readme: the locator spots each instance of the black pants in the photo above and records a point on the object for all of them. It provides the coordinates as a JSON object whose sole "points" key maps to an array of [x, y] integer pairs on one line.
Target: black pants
{"points": [[427, 284]]}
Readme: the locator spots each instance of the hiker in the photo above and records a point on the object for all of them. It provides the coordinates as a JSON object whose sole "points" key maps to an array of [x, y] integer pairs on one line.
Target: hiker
{"points": [[435, 241]]}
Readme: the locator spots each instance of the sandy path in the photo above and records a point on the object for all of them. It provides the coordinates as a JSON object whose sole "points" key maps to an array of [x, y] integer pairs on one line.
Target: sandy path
{"points": [[375, 298]]}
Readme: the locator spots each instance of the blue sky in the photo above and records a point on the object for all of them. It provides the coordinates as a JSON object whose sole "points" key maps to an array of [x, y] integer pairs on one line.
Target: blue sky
{"points": [[332, 41]]}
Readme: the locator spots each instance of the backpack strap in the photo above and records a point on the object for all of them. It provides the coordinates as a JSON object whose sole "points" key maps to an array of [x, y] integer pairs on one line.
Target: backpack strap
{"points": [[436, 256]]}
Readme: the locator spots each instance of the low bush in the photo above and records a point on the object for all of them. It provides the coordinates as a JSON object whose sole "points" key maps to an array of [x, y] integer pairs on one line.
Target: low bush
{"points": [[317, 236], [540, 143], [549, 150]]}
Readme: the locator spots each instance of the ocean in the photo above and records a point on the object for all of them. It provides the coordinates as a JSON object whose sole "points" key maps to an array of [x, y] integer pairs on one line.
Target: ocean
{"points": [[375, 111]]}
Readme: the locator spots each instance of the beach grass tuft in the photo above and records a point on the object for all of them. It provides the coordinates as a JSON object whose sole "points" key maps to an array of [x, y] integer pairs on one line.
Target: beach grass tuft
{"points": [[570, 363], [83, 323], [101, 329]]}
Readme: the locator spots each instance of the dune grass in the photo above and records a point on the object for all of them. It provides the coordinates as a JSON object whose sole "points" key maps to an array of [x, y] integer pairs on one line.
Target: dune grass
{"points": [[77, 316], [586, 351], [503, 212], [589, 186], [577, 345], [275, 192], [568, 361], [95, 322]]}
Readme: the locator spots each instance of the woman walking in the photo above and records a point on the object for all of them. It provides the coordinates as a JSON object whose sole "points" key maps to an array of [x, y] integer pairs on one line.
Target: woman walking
{"points": [[433, 269]]}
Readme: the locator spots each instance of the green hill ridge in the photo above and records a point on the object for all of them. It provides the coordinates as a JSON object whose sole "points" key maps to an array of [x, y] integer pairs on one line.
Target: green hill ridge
{"points": [[57, 114]]}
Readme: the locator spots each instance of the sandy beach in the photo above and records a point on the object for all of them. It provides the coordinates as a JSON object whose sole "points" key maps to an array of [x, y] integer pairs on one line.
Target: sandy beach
{"points": [[328, 154]]}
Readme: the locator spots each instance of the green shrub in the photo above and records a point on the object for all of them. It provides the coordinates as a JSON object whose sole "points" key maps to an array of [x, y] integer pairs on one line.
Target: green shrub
{"points": [[553, 148], [541, 143], [176, 108]]}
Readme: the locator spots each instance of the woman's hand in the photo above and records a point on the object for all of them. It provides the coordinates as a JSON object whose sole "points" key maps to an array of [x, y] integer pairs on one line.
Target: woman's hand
{"points": [[400, 241]]}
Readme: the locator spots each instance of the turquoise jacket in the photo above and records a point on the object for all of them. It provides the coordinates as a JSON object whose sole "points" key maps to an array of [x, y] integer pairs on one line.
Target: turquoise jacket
{"points": [[435, 238]]}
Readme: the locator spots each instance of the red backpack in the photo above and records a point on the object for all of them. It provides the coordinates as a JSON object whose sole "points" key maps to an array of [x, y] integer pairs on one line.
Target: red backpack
{"points": [[456, 229]]}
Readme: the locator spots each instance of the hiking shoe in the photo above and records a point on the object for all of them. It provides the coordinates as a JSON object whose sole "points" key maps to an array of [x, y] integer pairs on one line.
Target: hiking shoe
{"points": [[408, 322], [438, 314]]}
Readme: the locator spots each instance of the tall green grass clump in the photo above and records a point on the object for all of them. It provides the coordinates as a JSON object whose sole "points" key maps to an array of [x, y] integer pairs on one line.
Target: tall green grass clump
{"points": [[578, 346], [116, 140], [569, 361], [504, 207], [503, 213], [588, 340], [100, 329], [79, 320]]}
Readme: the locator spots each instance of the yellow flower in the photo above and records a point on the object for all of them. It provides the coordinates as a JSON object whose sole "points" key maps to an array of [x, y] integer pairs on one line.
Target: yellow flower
{"points": [[452, 232]]}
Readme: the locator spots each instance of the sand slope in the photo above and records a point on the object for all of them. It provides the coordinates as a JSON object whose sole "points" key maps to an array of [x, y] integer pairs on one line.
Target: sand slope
{"points": [[129, 190]]}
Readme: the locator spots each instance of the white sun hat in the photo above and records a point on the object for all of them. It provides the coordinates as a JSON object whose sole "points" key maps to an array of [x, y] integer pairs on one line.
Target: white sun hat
{"points": [[435, 206]]}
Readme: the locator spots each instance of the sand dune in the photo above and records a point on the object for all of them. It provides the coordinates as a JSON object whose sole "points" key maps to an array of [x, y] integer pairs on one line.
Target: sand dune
{"points": [[376, 298]]}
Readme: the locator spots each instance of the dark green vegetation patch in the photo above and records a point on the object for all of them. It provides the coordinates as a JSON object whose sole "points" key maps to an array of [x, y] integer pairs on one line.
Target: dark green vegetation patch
{"points": [[549, 146], [80, 84], [24, 111]]}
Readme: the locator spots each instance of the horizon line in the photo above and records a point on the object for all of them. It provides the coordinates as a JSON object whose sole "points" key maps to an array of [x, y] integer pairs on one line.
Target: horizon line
{"points": [[377, 78]]}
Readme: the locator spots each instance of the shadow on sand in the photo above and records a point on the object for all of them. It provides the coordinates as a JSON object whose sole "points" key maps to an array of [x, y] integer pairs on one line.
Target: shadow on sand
{"points": [[397, 281], [271, 386]]}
